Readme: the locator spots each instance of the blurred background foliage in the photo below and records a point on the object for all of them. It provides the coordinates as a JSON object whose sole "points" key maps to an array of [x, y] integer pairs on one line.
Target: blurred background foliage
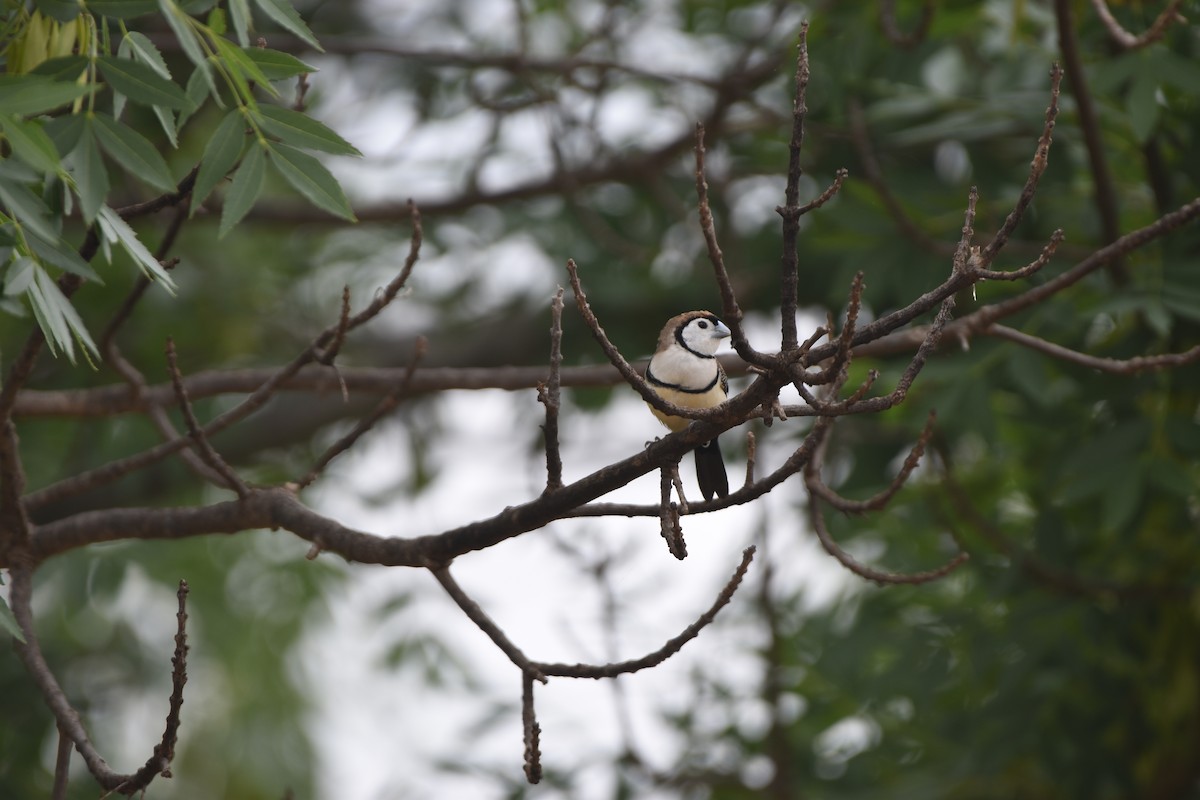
{"points": [[1062, 661]]}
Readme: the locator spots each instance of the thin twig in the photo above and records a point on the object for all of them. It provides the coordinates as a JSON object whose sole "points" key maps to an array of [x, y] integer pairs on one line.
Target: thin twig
{"points": [[485, 623], [382, 409], [203, 447], [1129, 41], [731, 311], [533, 753], [1113, 366], [550, 395], [790, 211], [668, 517], [673, 646]]}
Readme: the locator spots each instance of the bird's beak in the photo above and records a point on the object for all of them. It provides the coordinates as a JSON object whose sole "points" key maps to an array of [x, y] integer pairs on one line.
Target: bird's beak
{"points": [[720, 331]]}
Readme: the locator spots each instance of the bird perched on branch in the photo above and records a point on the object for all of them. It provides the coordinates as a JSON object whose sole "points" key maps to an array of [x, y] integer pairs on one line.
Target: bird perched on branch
{"points": [[684, 370]]}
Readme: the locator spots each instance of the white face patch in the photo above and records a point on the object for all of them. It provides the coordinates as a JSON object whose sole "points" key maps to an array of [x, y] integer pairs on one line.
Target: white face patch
{"points": [[703, 335]]}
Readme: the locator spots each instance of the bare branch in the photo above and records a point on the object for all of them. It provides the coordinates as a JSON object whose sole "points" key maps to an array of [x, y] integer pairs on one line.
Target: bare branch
{"points": [[384, 407], [790, 211], [668, 516], [1127, 40], [1036, 168], [1114, 366], [878, 501], [203, 447], [731, 312], [669, 649], [485, 623], [533, 753], [550, 395]]}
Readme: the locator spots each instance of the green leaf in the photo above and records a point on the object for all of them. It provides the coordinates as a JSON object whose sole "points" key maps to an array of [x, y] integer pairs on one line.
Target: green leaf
{"points": [[58, 318], [61, 10], [134, 152], [91, 179], [117, 231], [122, 9], [57, 252], [24, 95], [28, 208], [141, 83], [220, 154], [299, 130], [65, 69], [277, 66], [282, 12], [243, 23], [65, 132], [188, 39], [216, 22], [19, 276], [247, 185], [144, 51], [8, 622], [309, 177], [237, 66], [31, 144], [198, 88]]}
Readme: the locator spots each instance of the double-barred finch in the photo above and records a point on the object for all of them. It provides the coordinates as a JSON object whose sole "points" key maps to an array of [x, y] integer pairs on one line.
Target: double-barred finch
{"points": [[684, 370]]}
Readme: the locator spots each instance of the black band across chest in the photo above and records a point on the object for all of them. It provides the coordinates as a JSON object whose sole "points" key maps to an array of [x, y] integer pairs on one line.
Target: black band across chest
{"points": [[653, 381]]}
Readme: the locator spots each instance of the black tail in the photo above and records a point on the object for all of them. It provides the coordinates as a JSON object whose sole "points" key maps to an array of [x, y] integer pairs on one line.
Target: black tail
{"points": [[710, 471]]}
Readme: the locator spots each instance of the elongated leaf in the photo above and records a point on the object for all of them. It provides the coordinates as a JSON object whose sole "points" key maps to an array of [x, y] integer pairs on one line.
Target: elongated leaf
{"points": [[277, 65], [65, 132], [282, 12], [28, 208], [247, 185], [309, 177], [117, 231], [19, 276], [57, 252], [299, 130], [198, 88], [141, 83], [144, 51], [24, 95], [245, 67], [8, 622], [61, 322], [61, 10], [65, 69], [188, 39], [220, 154], [243, 23], [134, 152], [31, 144], [91, 178], [122, 9]]}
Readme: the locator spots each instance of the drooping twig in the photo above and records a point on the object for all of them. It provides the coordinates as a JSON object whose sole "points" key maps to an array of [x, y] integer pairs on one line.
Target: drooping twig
{"points": [[882, 577], [486, 624], [203, 447], [751, 453], [673, 646], [1129, 41], [550, 394], [382, 409], [1023, 272], [668, 516], [533, 753]]}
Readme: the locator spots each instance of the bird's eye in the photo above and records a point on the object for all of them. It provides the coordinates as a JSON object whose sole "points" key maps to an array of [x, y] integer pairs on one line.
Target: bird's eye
{"points": [[703, 324]]}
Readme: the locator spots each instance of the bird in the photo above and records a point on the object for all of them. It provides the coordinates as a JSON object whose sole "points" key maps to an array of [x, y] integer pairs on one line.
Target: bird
{"points": [[684, 370]]}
